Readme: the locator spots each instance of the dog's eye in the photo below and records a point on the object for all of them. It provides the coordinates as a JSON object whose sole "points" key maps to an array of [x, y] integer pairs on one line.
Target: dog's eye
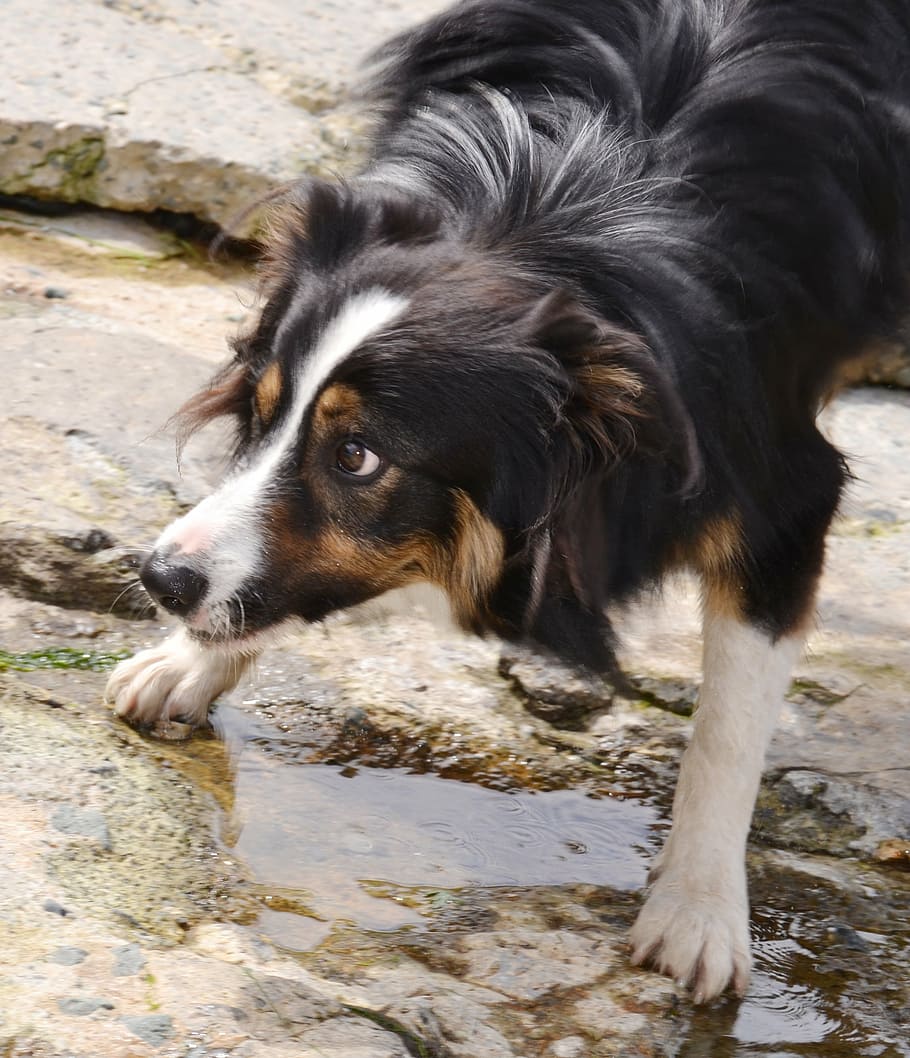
{"points": [[355, 458]]}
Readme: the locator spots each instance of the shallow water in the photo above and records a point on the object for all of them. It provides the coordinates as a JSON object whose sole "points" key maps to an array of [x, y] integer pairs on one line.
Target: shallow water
{"points": [[379, 849], [341, 847], [796, 1005]]}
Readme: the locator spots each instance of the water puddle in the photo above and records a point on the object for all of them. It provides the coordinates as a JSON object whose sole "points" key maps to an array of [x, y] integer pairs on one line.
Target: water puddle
{"points": [[384, 849], [334, 847]]}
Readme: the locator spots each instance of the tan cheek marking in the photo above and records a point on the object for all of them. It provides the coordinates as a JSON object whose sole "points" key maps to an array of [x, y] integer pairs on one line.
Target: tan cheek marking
{"points": [[468, 567], [335, 553], [476, 560], [342, 554], [268, 392]]}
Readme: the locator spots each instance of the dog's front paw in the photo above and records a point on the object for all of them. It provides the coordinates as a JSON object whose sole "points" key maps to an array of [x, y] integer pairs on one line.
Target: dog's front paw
{"points": [[175, 681], [697, 934]]}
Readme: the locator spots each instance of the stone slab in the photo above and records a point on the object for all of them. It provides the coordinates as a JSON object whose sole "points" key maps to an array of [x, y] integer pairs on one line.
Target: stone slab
{"points": [[308, 53], [178, 106], [84, 425]]}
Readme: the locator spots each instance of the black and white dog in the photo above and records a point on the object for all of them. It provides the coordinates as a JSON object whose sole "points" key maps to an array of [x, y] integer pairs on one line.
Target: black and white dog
{"points": [[569, 330]]}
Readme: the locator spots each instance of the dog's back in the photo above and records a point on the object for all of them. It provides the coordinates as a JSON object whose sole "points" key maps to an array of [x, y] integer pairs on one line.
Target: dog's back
{"points": [[785, 125]]}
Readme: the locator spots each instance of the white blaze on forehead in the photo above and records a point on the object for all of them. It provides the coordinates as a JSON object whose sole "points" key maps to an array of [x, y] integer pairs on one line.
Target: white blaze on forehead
{"points": [[224, 529], [363, 316]]}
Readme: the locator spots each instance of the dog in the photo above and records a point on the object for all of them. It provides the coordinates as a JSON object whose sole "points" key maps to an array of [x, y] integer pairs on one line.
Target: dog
{"points": [[567, 331]]}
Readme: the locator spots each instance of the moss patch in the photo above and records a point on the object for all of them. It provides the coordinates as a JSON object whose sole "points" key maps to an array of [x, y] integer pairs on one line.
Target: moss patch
{"points": [[61, 658], [76, 167]]}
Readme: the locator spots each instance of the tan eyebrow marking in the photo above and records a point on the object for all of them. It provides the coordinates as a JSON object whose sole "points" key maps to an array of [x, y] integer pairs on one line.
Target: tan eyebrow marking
{"points": [[339, 401], [268, 391]]}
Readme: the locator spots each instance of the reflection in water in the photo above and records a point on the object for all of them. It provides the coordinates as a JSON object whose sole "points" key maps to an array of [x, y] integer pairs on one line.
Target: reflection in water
{"points": [[777, 1010], [356, 844]]}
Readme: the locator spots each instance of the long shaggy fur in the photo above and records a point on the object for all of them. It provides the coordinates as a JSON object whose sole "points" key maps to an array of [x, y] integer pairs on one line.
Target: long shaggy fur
{"points": [[672, 221]]}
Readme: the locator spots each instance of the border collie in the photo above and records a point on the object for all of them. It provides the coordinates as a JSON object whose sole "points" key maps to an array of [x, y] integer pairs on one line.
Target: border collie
{"points": [[569, 330]]}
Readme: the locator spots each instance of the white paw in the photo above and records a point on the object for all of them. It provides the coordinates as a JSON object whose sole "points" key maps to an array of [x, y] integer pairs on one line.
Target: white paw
{"points": [[697, 934], [175, 681]]}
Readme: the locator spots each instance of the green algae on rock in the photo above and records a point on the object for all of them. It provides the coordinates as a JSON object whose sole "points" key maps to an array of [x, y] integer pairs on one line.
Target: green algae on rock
{"points": [[61, 658]]}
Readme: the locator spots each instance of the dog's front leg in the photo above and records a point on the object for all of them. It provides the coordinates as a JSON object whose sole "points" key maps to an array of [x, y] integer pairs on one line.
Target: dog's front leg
{"points": [[695, 923], [177, 680]]}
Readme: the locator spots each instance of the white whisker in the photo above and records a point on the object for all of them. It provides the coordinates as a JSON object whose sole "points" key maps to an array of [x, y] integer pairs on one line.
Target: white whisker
{"points": [[132, 586]]}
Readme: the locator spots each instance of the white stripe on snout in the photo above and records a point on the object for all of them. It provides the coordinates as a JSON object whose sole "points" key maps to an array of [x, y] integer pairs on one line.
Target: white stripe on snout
{"points": [[224, 530]]}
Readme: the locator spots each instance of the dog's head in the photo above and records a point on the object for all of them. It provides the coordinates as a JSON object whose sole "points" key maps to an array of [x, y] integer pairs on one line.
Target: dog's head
{"points": [[409, 408]]}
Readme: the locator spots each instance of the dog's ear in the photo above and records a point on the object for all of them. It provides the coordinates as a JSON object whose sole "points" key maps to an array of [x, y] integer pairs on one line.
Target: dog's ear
{"points": [[606, 391], [620, 415], [619, 398], [230, 392]]}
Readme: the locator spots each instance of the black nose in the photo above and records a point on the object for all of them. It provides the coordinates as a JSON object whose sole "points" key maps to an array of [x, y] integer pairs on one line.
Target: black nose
{"points": [[178, 588]]}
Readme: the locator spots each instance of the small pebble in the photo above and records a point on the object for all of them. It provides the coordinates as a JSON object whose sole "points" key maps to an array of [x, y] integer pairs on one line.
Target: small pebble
{"points": [[155, 1029], [129, 960], [56, 292], [82, 1007], [848, 937], [56, 909], [67, 956]]}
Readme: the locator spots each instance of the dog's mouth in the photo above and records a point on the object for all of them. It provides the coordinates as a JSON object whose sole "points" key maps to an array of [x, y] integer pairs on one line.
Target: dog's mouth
{"points": [[234, 624], [234, 635], [248, 643]]}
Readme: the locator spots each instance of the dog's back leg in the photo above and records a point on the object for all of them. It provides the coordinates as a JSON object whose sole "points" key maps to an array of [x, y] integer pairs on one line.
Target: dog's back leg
{"points": [[759, 587]]}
